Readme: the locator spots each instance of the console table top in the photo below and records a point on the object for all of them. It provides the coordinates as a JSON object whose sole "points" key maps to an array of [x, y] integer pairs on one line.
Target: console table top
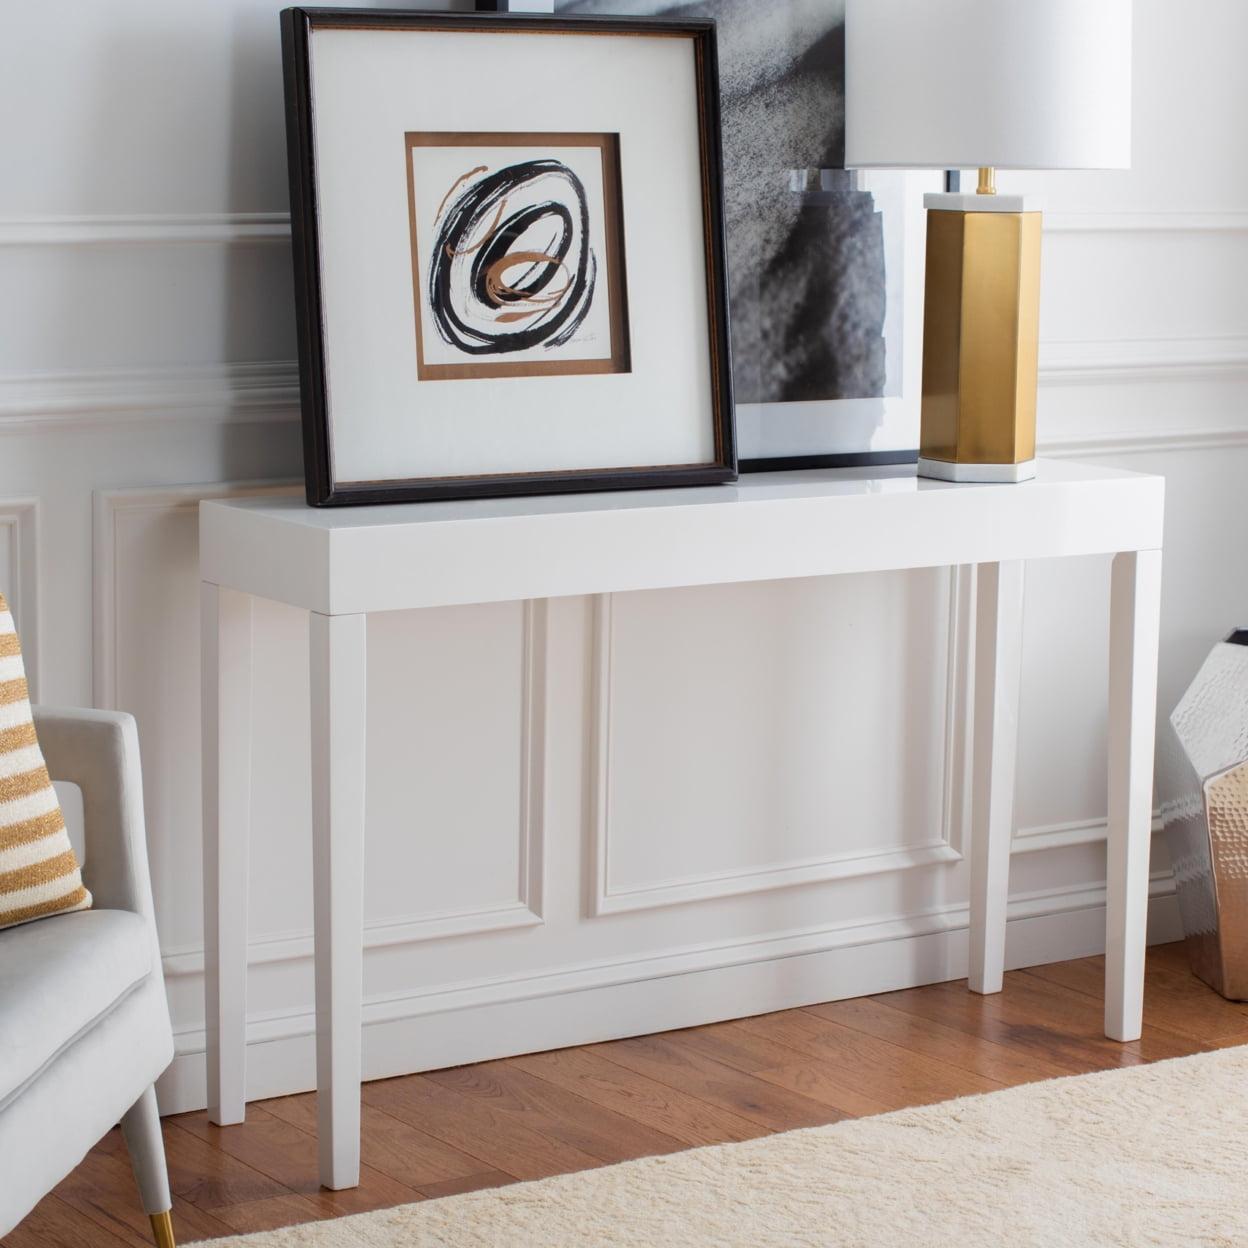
{"points": [[765, 526]]}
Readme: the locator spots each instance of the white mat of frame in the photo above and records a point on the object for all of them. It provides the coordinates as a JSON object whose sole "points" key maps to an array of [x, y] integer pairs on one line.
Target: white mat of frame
{"points": [[1149, 1155]]}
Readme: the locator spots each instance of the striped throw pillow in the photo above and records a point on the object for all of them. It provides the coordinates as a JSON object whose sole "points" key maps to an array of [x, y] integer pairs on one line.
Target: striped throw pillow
{"points": [[39, 873]]}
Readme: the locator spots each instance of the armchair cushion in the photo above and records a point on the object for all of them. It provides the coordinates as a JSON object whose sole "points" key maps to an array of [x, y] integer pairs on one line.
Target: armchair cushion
{"points": [[59, 979], [39, 873]]}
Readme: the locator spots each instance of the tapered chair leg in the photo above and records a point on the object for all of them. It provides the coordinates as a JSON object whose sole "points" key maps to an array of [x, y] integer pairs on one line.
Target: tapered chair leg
{"points": [[141, 1128]]}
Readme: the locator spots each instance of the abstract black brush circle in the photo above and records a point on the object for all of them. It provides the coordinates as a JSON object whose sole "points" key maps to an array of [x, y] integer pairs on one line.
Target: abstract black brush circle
{"points": [[481, 239]]}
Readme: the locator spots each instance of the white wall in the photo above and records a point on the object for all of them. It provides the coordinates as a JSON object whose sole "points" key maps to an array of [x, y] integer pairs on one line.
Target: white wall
{"points": [[788, 836]]}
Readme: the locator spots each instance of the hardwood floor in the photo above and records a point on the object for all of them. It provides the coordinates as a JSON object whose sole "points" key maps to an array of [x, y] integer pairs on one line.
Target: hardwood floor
{"points": [[479, 1126]]}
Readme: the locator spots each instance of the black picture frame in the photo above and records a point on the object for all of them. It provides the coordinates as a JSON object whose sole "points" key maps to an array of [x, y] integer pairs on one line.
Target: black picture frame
{"points": [[298, 26], [834, 459]]}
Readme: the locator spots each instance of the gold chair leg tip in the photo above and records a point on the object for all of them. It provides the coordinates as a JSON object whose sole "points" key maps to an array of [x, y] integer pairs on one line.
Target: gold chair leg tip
{"points": [[162, 1229]]}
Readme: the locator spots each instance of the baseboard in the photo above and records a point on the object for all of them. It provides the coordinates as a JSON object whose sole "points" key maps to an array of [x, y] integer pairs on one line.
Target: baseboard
{"points": [[586, 1005]]}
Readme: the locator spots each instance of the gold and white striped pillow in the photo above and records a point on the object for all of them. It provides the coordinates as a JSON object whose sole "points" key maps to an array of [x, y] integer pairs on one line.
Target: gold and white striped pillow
{"points": [[39, 874]]}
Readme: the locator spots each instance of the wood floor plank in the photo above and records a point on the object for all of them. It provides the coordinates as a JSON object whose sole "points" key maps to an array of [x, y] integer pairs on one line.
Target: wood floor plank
{"points": [[102, 1188], [196, 1172], [914, 1034], [1172, 956], [555, 1112], [466, 1183], [668, 1059], [1085, 975], [1202, 1019], [739, 1047], [1081, 1016], [665, 1109], [874, 1068], [289, 1156], [203, 1175], [270, 1214], [821, 1081], [387, 1144], [1174, 998], [473, 1126], [1044, 1020], [54, 1224], [964, 1011]]}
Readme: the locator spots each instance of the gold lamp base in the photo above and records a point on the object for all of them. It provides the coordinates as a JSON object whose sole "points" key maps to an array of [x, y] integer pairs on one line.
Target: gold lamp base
{"points": [[981, 335]]}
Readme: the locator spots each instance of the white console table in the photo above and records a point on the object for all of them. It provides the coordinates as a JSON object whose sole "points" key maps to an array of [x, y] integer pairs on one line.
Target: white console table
{"points": [[341, 564]]}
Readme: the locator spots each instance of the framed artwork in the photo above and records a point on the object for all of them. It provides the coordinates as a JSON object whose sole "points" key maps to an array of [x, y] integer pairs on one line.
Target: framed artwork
{"points": [[505, 291], [825, 265]]}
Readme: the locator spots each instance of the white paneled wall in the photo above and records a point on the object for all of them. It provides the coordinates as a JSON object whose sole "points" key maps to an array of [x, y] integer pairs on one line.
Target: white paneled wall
{"points": [[586, 817]]}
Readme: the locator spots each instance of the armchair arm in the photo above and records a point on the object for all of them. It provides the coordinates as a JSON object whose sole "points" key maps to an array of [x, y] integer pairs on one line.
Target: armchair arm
{"points": [[99, 752]]}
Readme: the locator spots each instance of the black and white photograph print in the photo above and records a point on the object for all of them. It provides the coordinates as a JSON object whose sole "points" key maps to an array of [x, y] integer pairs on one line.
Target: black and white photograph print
{"points": [[818, 256], [517, 255]]}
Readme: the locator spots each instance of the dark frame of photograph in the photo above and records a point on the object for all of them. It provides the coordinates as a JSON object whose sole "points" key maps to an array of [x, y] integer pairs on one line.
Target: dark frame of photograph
{"points": [[298, 28]]}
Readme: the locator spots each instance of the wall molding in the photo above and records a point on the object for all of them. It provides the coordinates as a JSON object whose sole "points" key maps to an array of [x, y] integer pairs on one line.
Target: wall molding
{"points": [[1145, 222], [282, 948], [19, 537], [959, 707], [239, 393], [603, 899], [263, 391], [525, 910], [1143, 443], [147, 229], [251, 228], [595, 1001], [711, 955], [1100, 361], [528, 910], [714, 886], [1065, 835]]}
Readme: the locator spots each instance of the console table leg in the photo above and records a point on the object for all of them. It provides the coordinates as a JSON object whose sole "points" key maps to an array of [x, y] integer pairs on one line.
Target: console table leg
{"points": [[1135, 625], [225, 639], [998, 666], [338, 652]]}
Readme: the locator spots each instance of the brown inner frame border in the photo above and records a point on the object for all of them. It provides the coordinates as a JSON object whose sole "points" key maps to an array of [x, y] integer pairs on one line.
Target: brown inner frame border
{"points": [[608, 145]]}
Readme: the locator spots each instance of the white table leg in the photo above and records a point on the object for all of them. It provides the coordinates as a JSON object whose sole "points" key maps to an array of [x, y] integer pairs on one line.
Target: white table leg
{"points": [[225, 638], [998, 665], [1134, 634], [338, 669]]}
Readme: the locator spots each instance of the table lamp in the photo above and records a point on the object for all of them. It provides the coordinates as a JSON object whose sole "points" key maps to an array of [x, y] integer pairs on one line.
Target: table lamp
{"points": [[987, 84]]}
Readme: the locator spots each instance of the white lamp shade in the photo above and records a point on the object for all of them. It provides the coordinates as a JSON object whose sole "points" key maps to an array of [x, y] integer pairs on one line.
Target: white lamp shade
{"points": [[1017, 84]]}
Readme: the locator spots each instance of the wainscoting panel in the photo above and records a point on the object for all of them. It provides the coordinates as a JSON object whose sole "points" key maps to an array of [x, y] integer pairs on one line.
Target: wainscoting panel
{"points": [[19, 577], [456, 771], [730, 754]]}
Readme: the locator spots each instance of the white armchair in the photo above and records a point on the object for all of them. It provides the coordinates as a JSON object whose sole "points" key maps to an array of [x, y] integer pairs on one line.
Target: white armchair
{"points": [[84, 1022]]}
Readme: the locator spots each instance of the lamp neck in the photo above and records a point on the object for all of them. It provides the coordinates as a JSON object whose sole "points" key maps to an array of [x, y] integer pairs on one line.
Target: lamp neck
{"points": [[987, 181]]}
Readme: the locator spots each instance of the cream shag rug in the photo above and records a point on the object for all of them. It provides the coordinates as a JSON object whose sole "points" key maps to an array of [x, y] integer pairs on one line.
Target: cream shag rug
{"points": [[1149, 1155]]}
